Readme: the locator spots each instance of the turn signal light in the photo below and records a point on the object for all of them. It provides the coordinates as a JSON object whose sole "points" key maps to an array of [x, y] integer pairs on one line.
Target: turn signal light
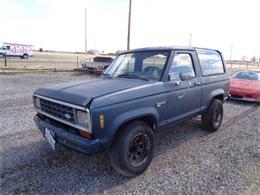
{"points": [[85, 134], [101, 121]]}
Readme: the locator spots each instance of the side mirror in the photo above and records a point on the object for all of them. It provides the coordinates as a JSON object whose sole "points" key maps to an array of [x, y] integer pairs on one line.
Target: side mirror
{"points": [[185, 76], [173, 77]]}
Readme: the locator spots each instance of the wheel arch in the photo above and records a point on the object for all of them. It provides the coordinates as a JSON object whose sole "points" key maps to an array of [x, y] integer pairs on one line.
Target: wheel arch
{"points": [[216, 94], [150, 118]]}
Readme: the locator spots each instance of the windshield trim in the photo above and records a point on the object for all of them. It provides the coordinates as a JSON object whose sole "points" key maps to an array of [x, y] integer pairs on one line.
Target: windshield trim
{"points": [[255, 72], [168, 51]]}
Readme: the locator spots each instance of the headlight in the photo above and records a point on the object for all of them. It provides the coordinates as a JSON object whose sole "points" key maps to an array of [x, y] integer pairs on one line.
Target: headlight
{"points": [[83, 119], [37, 102]]}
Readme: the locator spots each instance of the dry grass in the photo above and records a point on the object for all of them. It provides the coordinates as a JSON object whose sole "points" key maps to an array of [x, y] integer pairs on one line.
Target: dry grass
{"points": [[44, 60], [235, 67], [69, 61]]}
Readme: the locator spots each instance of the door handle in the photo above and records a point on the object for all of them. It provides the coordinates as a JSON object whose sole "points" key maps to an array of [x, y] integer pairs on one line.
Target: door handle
{"points": [[181, 95], [197, 83]]}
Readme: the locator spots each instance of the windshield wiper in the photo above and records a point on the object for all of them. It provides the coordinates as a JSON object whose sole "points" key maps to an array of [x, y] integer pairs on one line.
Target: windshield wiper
{"points": [[106, 75], [125, 75]]}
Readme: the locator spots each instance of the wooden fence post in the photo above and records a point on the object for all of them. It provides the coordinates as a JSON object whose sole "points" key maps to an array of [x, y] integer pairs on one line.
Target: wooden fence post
{"points": [[5, 60]]}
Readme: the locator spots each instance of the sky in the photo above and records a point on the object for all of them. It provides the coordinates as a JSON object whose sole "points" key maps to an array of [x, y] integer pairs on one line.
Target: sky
{"points": [[227, 25]]}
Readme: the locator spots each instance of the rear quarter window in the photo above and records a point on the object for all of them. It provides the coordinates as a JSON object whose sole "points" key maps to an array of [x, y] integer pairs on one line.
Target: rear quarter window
{"points": [[210, 61]]}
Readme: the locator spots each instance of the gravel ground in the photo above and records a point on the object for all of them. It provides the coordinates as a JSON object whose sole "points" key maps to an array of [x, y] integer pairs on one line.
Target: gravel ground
{"points": [[187, 159]]}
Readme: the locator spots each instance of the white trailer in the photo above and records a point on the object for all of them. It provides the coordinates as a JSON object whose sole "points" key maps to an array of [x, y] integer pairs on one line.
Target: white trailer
{"points": [[15, 50]]}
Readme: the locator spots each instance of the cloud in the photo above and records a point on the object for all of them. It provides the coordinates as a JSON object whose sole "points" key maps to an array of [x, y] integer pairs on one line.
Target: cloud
{"points": [[59, 24], [8, 8]]}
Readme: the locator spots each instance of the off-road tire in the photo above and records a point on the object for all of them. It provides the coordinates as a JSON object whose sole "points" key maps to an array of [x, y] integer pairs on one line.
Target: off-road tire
{"points": [[120, 155], [210, 120]]}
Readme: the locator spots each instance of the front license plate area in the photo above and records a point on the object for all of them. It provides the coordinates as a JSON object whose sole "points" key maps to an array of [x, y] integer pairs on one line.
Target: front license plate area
{"points": [[50, 139]]}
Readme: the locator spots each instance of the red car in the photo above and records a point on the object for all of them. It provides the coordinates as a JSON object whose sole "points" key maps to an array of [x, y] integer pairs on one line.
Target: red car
{"points": [[245, 85]]}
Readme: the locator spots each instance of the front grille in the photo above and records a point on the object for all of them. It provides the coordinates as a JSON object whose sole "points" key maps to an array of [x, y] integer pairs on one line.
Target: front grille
{"points": [[58, 110]]}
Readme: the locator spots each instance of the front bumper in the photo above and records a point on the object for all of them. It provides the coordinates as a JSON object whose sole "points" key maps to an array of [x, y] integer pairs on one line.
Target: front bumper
{"points": [[244, 94], [76, 142]]}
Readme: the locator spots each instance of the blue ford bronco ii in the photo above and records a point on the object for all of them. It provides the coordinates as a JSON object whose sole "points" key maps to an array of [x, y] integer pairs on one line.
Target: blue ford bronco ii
{"points": [[142, 91]]}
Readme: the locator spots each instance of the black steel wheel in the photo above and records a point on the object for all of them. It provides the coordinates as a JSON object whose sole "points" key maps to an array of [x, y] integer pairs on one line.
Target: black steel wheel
{"points": [[132, 150], [138, 149], [212, 118], [217, 116]]}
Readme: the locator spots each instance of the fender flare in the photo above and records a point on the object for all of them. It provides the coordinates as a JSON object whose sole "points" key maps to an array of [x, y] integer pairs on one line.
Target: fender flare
{"points": [[215, 93], [125, 117]]}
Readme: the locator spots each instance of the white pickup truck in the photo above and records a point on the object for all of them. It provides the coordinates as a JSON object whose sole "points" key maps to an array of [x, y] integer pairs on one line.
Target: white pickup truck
{"points": [[15, 50]]}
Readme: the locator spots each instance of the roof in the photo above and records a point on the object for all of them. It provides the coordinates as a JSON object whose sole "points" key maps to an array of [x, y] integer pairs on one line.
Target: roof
{"points": [[166, 48]]}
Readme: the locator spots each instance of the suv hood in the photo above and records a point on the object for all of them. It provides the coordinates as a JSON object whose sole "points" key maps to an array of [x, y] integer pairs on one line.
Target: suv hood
{"points": [[81, 92]]}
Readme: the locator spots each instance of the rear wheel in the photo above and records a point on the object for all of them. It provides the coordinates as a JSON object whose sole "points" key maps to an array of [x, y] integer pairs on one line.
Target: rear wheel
{"points": [[133, 149], [212, 118], [25, 56]]}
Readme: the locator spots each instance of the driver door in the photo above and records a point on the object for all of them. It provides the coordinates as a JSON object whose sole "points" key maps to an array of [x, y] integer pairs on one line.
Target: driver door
{"points": [[184, 96]]}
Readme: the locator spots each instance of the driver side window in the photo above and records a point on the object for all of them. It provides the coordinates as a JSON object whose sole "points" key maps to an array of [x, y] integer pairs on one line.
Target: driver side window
{"points": [[153, 65], [182, 63]]}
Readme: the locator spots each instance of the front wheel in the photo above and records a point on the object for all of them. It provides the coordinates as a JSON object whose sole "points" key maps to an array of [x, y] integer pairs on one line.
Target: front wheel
{"points": [[212, 118], [133, 149]]}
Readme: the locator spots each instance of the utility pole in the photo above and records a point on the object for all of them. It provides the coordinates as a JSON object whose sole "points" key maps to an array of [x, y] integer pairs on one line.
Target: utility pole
{"points": [[86, 31], [231, 55], [190, 39], [231, 51], [129, 25]]}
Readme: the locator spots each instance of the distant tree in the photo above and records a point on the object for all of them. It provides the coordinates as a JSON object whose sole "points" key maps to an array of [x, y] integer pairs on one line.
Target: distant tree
{"points": [[40, 50], [244, 58], [253, 59], [118, 52]]}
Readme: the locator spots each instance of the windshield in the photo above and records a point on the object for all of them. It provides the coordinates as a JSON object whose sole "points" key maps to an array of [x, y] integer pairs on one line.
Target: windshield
{"points": [[139, 65], [247, 75]]}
